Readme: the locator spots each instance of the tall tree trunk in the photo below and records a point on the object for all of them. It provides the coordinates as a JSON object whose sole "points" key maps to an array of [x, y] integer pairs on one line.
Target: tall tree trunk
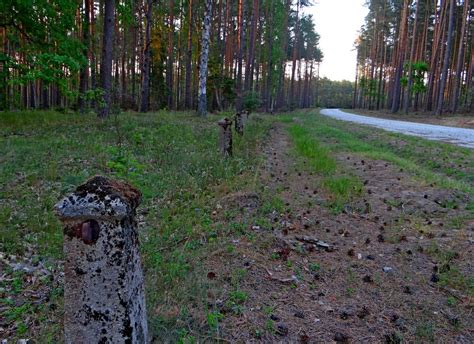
{"points": [[169, 68], [284, 47], [460, 60], [202, 101], [93, 60], [406, 103], [270, 65], [32, 95], [356, 84], [5, 73], [295, 54], [240, 35], [133, 52], [179, 62], [447, 55], [469, 102], [189, 55], [229, 56], [145, 94], [107, 54], [400, 58], [251, 56], [437, 40], [84, 74], [123, 76]]}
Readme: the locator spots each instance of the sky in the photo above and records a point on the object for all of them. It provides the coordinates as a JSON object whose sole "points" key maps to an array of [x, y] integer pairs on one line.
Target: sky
{"points": [[338, 23]]}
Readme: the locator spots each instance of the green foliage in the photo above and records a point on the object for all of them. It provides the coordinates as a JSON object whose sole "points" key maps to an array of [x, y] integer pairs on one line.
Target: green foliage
{"points": [[368, 87], [238, 296], [334, 94], [251, 101], [50, 53], [236, 300], [273, 204], [418, 70], [219, 83], [213, 319]]}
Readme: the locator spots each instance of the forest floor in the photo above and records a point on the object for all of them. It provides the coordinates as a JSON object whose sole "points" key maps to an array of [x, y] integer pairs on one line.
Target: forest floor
{"points": [[316, 231], [449, 120]]}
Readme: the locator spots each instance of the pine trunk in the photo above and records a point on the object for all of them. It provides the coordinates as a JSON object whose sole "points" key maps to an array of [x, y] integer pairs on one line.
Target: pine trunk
{"points": [[169, 69], [447, 55], [84, 74], [145, 92], [460, 59], [189, 55], [107, 55], [400, 59], [294, 56], [406, 103]]}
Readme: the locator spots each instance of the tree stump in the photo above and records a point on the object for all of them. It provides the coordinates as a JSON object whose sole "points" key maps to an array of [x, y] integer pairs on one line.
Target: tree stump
{"points": [[239, 123], [104, 298], [225, 137]]}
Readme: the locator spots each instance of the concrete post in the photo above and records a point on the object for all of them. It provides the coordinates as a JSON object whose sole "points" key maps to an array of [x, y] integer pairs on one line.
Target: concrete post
{"points": [[239, 123], [104, 299], [225, 137], [245, 116]]}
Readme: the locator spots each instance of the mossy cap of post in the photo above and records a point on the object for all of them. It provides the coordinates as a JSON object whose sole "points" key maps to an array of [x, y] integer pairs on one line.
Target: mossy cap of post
{"points": [[104, 298], [239, 123], [225, 137]]}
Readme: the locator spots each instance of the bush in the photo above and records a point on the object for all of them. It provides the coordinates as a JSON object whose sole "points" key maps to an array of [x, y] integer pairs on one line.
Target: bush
{"points": [[251, 101]]}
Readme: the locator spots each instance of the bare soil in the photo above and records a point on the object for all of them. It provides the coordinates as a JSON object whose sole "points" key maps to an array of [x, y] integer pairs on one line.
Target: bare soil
{"points": [[370, 274], [458, 120]]}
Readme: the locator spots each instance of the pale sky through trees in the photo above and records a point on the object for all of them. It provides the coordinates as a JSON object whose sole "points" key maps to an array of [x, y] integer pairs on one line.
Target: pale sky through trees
{"points": [[338, 22]]}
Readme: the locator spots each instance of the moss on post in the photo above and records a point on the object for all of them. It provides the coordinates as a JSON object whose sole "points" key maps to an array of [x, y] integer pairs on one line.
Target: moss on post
{"points": [[104, 299]]}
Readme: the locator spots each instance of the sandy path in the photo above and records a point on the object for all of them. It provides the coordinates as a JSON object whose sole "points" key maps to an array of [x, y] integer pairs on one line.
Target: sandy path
{"points": [[458, 136]]}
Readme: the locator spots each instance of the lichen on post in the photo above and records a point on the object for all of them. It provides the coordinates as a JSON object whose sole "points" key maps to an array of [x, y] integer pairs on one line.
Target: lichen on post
{"points": [[225, 137], [239, 123], [104, 299]]}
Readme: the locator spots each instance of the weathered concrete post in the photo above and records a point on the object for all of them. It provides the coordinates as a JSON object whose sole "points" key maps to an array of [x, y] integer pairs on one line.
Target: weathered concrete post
{"points": [[104, 300], [225, 137], [239, 123]]}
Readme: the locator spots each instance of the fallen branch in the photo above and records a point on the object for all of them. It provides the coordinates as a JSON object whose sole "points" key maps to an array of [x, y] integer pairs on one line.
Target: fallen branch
{"points": [[315, 241]]}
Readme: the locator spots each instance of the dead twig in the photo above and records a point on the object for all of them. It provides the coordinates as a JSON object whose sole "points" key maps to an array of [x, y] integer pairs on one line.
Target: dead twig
{"points": [[314, 241]]}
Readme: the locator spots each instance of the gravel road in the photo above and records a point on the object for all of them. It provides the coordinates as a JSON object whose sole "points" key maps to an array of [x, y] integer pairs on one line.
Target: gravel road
{"points": [[458, 136]]}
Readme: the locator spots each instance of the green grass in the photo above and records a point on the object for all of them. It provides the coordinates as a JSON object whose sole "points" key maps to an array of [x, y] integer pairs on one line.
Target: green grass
{"points": [[172, 158], [449, 274], [319, 157], [341, 187]]}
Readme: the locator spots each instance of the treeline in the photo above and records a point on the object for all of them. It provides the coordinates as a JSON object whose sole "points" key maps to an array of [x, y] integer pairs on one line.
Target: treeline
{"points": [[334, 94], [148, 55], [416, 56]]}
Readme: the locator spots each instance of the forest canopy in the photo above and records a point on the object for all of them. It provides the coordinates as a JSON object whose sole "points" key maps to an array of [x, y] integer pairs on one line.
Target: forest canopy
{"points": [[262, 53], [416, 55]]}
